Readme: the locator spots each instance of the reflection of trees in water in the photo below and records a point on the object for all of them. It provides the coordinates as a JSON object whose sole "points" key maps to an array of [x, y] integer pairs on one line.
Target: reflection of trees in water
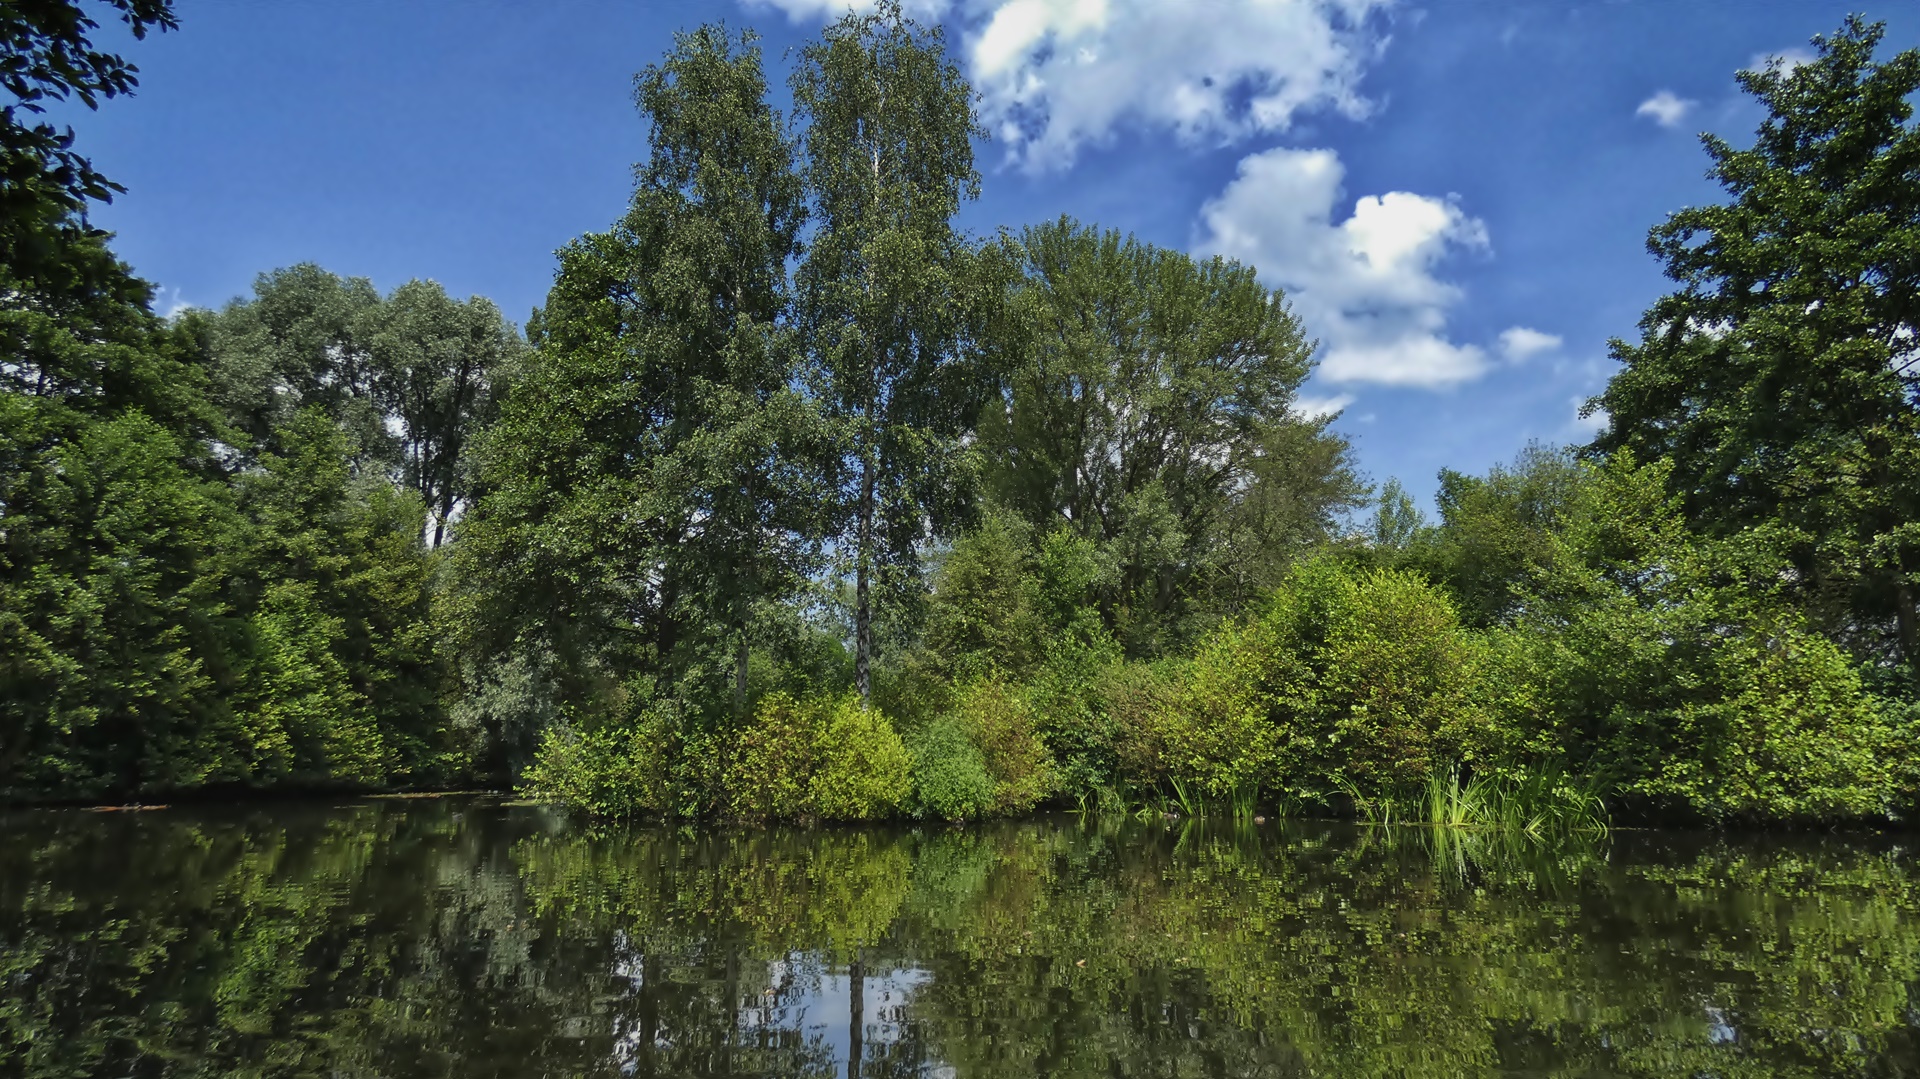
{"points": [[777, 926], [454, 939]]}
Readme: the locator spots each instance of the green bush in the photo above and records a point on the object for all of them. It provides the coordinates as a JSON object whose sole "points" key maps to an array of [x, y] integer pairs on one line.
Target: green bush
{"points": [[863, 772], [999, 720], [950, 777], [612, 771], [1070, 716], [1669, 666], [1353, 681], [1136, 699], [773, 760], [983, 617], [825, 757]]}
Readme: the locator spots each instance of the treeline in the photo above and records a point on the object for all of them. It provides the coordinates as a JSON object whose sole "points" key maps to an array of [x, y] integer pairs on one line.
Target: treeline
{"points": [[796, 501]]}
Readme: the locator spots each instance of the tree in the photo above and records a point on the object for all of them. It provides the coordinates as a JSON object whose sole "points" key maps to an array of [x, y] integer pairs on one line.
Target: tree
{"points": [[1782, 379], [1396, 520], [411, 376], [650, 478], [296, 344], [1495, 531], [45, 185], [117, 642], [116, 639], [887, 286], [345, 684], [437, 362], [1150, 409]]}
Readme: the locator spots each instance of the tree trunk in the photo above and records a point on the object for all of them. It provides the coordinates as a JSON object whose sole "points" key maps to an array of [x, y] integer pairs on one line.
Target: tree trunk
{"points": [[740, 675], [733, 1013], [862, 571], [649, 1040], [857, 1016], [1909, 626]]}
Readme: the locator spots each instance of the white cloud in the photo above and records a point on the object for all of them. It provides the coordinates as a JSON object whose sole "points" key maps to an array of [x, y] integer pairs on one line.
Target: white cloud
{"points": [[1313, 406], [1787, 58], [1588, 425], [1666, 109], [1519, 343], [170, 303], [1364, 285], [1057, 75], [828, 10]]}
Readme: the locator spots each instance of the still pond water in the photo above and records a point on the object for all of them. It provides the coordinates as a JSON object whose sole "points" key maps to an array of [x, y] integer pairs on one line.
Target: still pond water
{"points": [[470, 937]]}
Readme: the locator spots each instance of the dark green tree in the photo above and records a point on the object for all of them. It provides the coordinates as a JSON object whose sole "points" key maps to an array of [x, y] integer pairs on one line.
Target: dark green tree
{"points": [[1150, 409], [1782, 378], [117, 642], [411, 376], [888, 288], [438, 363], [45, 185], [296, 344], [346, 680], [650, 480]]}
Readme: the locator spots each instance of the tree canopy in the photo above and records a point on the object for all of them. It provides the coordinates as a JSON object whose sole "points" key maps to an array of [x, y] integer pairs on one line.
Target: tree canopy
{"points": [[1780, 378]]}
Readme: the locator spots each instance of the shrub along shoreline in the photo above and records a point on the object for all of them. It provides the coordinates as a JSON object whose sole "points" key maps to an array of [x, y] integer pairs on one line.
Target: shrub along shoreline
{"points": [[1634, 669]]}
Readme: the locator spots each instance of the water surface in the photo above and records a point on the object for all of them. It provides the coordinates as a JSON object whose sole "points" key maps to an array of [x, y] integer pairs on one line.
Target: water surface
{"points": [[467, 937]]}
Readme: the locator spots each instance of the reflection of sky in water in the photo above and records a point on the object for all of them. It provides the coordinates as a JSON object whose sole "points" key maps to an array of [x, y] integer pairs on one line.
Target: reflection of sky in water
{"points": [[1719, 1031], [825, 1007], [803, 995]]}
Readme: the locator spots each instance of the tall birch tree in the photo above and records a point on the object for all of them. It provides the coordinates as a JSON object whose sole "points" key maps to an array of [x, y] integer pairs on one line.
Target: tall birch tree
{"points": [[886, 287]]}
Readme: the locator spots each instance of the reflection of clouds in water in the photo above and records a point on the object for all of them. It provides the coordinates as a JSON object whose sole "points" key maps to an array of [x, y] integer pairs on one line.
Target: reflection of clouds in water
{"points": [[804, 995], [798, 994], [828, 1007], [626, 961]]}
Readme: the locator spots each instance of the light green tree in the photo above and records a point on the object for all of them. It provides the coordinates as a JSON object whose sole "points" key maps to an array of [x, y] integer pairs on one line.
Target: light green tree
{"points": [[887, 287]]}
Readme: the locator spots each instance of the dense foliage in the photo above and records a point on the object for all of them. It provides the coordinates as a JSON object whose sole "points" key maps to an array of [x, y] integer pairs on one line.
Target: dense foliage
{"points": [[1782, 379], [798, 502]]}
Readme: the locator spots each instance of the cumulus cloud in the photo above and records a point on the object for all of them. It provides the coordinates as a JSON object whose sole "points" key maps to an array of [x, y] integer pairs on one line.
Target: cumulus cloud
{"points": [[1365, 284], [1665, 108], [827, 10], [1314, 407], [1057, 75], [1519, 343], [1590, 424]]}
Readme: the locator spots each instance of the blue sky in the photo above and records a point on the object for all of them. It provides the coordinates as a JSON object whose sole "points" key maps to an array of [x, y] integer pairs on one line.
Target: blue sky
{"points": [[1455, 195]]}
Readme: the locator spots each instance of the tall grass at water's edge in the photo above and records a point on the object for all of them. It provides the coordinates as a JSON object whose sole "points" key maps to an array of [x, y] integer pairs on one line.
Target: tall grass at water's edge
{"points": [[1531, 804]]}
